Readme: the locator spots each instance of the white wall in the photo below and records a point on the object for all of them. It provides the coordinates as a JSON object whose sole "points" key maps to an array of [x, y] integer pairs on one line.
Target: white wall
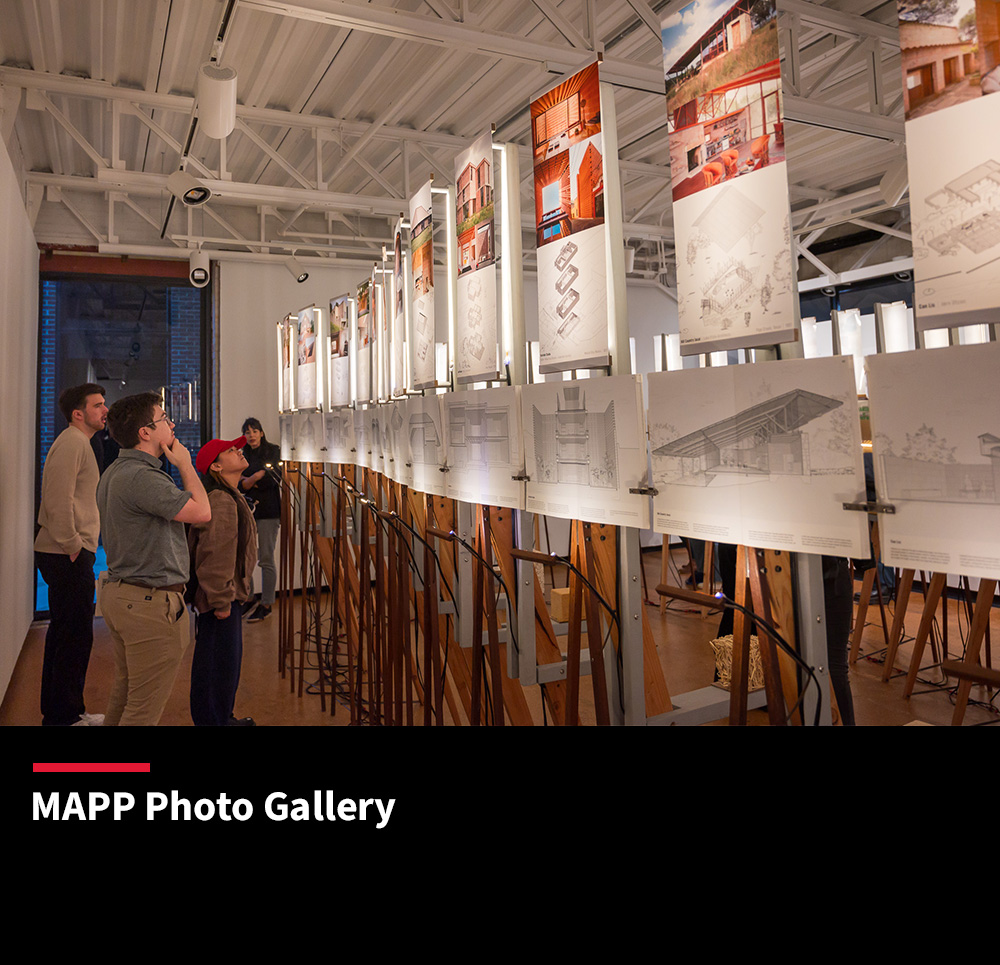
{"points": [[18, 349]]}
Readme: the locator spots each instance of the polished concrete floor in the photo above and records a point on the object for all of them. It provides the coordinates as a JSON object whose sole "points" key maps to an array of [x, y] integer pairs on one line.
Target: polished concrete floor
{"points": [[681, 637]]}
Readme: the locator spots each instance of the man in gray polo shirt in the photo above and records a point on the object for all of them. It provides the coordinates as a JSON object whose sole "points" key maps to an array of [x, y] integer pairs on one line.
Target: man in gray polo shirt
{"points": [[142, 522]]}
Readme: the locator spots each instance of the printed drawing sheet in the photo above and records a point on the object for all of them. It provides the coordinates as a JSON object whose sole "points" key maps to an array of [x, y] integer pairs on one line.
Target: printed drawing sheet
{"points": [[585, 448], [936, 445], [425, 443], [735, 285], [955, 200], [483, 430], [764, 455]]}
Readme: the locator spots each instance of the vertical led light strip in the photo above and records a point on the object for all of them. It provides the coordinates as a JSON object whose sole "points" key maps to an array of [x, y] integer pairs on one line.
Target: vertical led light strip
{"points": [[281, 365]]}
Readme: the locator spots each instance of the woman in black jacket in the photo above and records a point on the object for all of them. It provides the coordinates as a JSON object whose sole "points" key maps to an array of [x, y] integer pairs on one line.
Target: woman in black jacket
{"points": [[262, 484]]}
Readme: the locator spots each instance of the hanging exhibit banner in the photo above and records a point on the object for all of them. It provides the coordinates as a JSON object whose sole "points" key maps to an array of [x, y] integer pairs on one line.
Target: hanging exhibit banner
{"points": [[340, 346], [736, 278], [568, 158], [362, 350], [935, 418], [286, 435], [398, 313], [485, 454], [476, 325], [585, 449], [308, 439], [308, 351], [951, 59], [422, 275], [765, 455], [286, 328]]}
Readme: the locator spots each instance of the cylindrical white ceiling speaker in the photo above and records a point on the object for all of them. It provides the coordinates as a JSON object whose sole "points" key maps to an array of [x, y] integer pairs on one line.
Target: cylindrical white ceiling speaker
{"points": [[629, 260], [216, 100]]}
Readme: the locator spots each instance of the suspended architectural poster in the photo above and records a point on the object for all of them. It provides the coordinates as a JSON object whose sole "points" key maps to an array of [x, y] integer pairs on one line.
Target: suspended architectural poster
{"points": [[951, 61], [765, 455], [422, 357], [285, 329], [398, 382], [309, 348], [476, 324], [362, 350], [936, 446], [568, 153], [585, 450], [736, 280], [340, 358]]}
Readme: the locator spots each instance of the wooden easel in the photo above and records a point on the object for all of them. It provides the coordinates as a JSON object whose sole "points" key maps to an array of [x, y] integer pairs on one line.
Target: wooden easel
{"points": [[868, 582]]}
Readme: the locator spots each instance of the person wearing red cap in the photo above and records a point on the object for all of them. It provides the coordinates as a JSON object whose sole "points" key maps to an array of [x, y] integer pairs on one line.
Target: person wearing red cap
{"points": [[223, 557]]}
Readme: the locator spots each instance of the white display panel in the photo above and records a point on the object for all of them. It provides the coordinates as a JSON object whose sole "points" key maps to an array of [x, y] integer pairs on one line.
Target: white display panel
{"points": [[585, 448], [735, 283], [340, 442], [422, 285], [483, 436], [286, 435], [936, 446], [953, 156], [340, 352], [476, 322], [425, 440], [308, 437], [764, 455]]}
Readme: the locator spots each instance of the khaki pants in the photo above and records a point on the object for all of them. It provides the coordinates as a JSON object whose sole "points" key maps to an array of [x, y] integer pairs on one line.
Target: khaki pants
{"points": [[150, 630]]}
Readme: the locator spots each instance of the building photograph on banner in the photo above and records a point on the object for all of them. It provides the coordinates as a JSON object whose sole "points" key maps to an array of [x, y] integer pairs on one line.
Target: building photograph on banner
{"points": [[568, 159], [723, 80], [340, 351], [422, 284], [951, 63], [585, 449], [765, 455], [362, 350], [398, 384], [936, 446], [732, 219], [483, 432], [476, 324], [287, 331], [308, 350]]}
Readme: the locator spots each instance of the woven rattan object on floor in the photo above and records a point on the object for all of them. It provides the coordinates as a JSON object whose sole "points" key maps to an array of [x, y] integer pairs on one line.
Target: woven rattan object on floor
{"points": [[723, 647]]}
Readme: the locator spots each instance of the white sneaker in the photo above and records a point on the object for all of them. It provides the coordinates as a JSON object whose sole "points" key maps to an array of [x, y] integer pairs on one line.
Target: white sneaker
{"points": [[89, 720]]}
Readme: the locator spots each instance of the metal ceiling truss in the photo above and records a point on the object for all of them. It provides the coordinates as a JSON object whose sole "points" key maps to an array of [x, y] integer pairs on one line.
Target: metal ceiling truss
{"points": [[841, 82]]}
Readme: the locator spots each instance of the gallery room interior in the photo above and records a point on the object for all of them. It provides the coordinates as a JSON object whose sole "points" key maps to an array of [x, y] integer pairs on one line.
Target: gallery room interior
{"points": [[630, 362]]}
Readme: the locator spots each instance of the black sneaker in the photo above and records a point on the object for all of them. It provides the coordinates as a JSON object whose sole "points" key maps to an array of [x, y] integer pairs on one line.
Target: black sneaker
{"points": [[241, 721], [261, 613]]}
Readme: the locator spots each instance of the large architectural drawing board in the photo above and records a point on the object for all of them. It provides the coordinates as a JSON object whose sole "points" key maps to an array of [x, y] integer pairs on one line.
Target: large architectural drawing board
{"points": [[585, 449], [936, 445], [765, 455], [485, 453]]}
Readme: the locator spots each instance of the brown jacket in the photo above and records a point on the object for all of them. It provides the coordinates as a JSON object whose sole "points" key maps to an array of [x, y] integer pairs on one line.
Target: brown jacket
{"points": [[223, 552]]}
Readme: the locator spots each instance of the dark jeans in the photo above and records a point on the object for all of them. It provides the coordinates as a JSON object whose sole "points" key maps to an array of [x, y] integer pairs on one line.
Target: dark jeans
{"points": [[838, 600], [215, 667], [70, 636]]}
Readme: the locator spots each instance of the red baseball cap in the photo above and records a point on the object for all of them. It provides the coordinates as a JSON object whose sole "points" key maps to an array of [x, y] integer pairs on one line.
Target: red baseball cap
{"points": [[212, 449]]}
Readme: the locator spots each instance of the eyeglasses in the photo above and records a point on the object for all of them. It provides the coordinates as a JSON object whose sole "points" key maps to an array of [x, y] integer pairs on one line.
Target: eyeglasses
{"points": [[155, 422]]}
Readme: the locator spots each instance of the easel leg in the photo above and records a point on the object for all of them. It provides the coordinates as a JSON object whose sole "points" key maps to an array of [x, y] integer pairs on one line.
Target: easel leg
{"points": [[977, 632]]}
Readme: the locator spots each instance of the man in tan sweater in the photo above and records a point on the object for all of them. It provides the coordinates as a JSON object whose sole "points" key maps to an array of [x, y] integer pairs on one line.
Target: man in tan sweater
{"points": [[65, 550]]}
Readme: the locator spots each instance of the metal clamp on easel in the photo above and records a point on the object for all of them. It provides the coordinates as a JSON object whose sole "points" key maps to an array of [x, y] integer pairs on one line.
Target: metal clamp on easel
{"points": [[645, 491], [872, 507], [521, 478]]}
